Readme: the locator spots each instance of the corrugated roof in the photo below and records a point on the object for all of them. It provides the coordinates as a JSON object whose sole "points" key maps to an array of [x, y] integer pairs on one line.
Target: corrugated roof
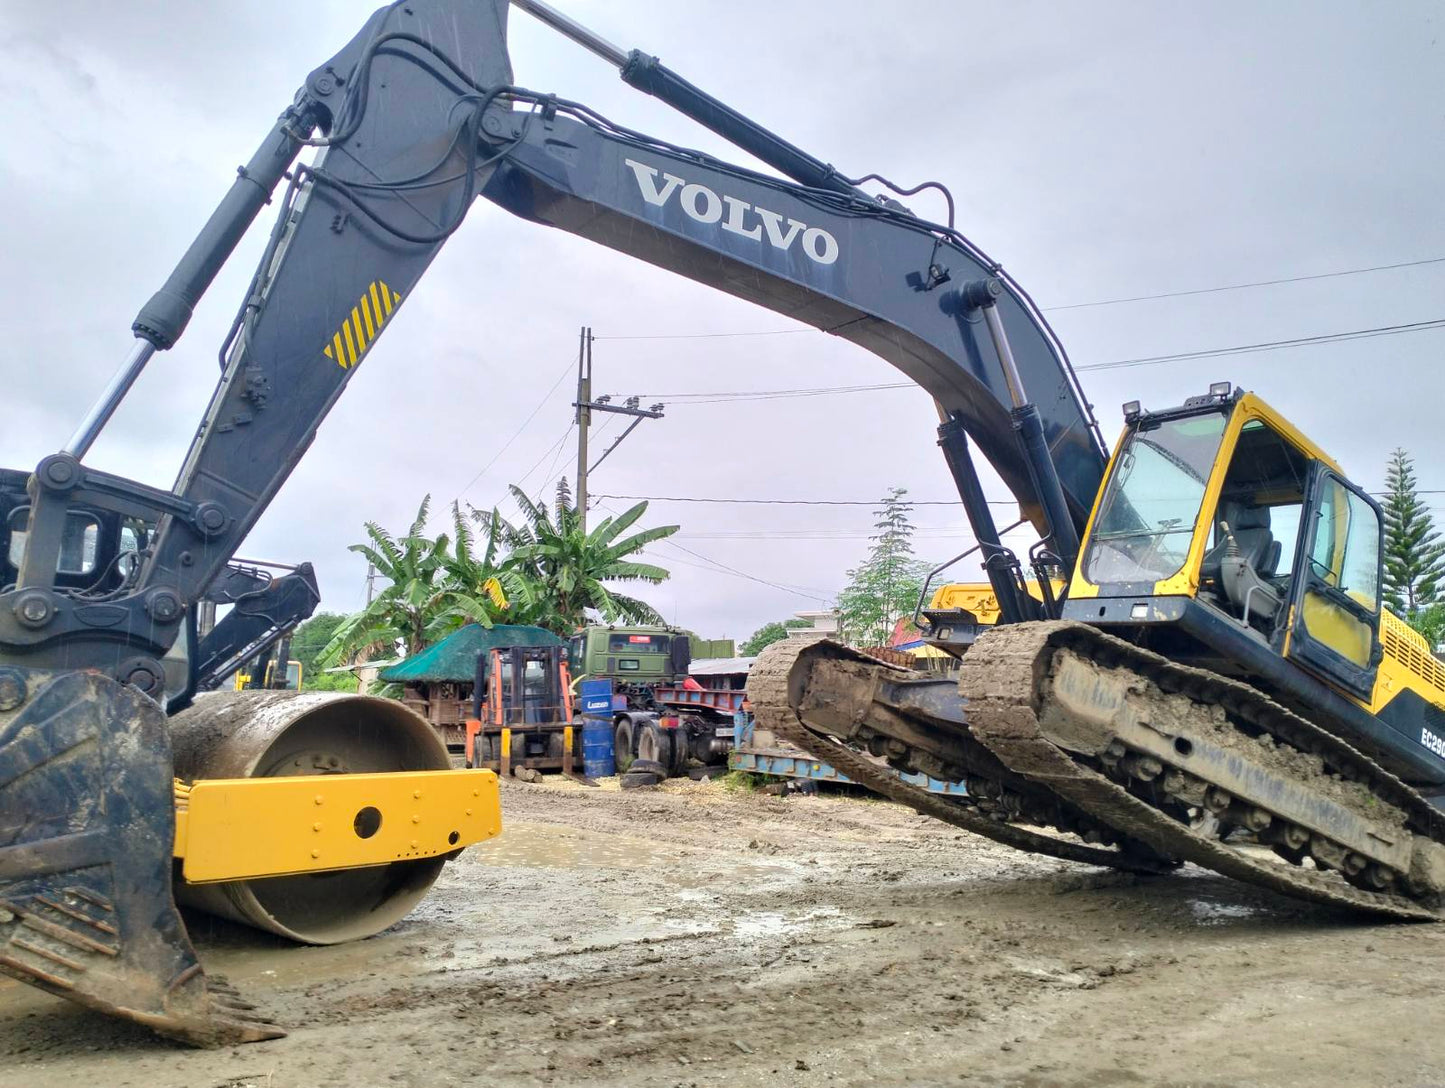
{"points": [[455, 657], [721, 666]]}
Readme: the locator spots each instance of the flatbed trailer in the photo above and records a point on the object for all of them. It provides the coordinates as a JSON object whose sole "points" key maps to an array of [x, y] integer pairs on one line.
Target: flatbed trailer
{"points": [[769, 755], [722, 701]]}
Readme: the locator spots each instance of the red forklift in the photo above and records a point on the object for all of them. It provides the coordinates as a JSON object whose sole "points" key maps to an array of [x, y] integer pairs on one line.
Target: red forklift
{"points": [[522, 712]]}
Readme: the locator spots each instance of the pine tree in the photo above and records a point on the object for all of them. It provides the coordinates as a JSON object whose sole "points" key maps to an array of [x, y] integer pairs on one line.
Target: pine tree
{"points": [[1414, 554], [887, 585]]}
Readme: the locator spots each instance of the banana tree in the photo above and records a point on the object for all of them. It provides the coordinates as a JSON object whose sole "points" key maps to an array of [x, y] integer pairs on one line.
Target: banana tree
{"points": [[434, 586], [565, 569]]}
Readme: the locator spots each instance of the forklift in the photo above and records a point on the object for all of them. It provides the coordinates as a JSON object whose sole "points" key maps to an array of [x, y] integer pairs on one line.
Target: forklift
{"points": [[522, 712]]}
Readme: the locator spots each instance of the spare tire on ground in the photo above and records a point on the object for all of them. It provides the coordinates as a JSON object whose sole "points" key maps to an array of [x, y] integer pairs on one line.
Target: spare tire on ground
{"points": [[648, 766], [634, 780]]}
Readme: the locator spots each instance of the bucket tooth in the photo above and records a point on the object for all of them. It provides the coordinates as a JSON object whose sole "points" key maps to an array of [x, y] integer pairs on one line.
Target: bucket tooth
{"points": [[87, 829]]}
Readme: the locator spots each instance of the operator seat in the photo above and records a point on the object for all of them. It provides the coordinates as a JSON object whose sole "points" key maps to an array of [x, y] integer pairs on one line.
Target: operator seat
{"points": [[1250, 526], [1244, 578]]}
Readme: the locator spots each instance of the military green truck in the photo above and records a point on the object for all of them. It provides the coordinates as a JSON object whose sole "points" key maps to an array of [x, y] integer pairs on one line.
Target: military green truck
{"points": [[641, 661]]}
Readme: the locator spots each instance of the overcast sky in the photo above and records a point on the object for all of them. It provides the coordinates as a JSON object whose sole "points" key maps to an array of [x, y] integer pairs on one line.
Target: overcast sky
{"points": [[1098, 151]]}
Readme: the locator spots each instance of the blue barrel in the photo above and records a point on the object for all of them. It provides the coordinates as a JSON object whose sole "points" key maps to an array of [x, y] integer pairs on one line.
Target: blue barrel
{"points": [[598, 758]]}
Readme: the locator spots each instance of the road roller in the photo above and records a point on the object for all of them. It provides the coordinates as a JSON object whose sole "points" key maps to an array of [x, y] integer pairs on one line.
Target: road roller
{"points": [[292, 816], [126, 789]]}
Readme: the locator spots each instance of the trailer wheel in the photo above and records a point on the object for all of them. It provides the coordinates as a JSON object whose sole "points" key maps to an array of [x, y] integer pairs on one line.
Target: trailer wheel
{"points": [[657, 744], [623, 746]]}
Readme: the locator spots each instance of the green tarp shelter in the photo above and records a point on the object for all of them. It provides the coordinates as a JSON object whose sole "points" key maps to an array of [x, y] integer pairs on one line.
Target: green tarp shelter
{"points": [[454, 658]]}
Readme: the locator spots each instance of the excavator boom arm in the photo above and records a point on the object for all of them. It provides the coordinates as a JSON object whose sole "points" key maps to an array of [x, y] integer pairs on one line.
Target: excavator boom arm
{"points": [[418, 116]]}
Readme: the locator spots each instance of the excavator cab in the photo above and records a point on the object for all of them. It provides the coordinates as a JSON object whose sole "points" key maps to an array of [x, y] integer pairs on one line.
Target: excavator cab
{"points": [[1223, 537]]}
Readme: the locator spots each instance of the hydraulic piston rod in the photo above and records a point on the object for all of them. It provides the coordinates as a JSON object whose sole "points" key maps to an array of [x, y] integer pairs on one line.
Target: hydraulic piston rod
{"points": [[648, 74], [1028, 424], [101, 411], [162, 320], [570, 28]]}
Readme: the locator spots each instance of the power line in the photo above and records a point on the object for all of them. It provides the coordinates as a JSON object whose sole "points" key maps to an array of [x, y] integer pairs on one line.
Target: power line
{"points": [[710, 568], [731, 396], [1271, 345], [722, 397], [794, 502], [1244, 286], [853, 502], [1076, 305], [552, 473], [744, 574], [817, 534], [548, 452], [715, 565], [708, 335], [516, 434]]}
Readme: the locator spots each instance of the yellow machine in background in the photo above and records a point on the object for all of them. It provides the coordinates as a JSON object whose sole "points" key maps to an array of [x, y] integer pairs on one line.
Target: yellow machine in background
{"points": [[294, 677]]}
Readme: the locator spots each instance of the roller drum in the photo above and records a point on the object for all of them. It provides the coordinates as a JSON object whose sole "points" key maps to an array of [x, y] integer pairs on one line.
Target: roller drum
{"points": [[265, 734]]}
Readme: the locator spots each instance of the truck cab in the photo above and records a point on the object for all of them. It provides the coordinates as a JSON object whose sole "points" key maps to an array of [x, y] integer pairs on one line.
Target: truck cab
{"points": [[634, 658]]}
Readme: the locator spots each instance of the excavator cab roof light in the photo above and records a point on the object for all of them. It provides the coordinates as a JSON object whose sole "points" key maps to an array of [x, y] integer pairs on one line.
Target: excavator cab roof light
{"points": [[1220, 389], [1132, 410]]}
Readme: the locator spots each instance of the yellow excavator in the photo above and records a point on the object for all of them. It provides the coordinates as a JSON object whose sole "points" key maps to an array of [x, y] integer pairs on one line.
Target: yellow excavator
{"points": [[1204, 650], [1216, 661]]}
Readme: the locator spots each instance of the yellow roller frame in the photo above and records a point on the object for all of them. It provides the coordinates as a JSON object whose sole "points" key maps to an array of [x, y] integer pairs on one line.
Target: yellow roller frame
{"points": [[240, 828]]}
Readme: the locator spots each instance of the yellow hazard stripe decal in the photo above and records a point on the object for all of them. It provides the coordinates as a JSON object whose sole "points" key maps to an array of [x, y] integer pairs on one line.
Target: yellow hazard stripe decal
{"points": [[362, 326]]}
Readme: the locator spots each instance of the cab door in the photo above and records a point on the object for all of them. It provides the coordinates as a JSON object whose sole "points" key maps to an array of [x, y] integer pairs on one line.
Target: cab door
{"points": [[1335, 597]]}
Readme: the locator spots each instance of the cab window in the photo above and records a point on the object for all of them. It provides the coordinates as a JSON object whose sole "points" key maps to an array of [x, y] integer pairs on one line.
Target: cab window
{"points": [[1261, 500], [1340, 603], [1146, 521], [1345, 552], [77, 545], [637, 644], [1335, 632]]}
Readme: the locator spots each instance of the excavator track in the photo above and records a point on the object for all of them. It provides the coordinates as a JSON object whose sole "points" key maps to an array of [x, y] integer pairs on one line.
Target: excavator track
{"points": [[1167, 757], [1139, 741], [774, 689]]}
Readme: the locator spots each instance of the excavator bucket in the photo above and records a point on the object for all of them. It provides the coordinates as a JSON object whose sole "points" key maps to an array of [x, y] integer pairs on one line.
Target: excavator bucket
{"points": [[87, 827]]}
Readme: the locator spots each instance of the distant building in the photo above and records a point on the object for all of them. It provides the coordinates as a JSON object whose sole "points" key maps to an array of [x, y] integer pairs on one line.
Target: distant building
{"points": [[823, 624]]}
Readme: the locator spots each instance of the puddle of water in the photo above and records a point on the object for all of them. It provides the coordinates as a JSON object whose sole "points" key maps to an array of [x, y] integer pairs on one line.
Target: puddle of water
{"points": [[772, 923], [552, 846], [288, 964], [697, 895], [549, 846], [456, 929], [1216, 914]]}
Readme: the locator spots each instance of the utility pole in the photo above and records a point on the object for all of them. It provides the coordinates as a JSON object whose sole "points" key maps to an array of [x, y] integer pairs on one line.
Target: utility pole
{"points": [[584, 419], [585, 406], [370, 581]]}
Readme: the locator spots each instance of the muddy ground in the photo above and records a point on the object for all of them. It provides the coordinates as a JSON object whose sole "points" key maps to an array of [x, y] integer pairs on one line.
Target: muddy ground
{"points": [[703, 936]]}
